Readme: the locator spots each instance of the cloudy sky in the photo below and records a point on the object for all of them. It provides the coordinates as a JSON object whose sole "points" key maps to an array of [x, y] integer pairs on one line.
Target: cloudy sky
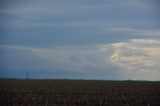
{"points": [[80, 39]]}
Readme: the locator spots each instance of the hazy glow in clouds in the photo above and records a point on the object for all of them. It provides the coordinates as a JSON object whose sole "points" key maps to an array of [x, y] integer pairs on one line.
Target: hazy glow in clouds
{"points": [[138, 58], [132, 59]]}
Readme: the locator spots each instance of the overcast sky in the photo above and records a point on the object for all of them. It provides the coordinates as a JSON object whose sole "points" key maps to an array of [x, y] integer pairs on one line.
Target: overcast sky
{"points": [[80, 39]]}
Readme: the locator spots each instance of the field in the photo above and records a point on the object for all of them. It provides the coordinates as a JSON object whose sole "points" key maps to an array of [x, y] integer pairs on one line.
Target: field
{"points": [[78, 93]]}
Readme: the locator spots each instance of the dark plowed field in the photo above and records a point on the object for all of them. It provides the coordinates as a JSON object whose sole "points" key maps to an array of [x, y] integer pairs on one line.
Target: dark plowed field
{"points": [[78, 93]]}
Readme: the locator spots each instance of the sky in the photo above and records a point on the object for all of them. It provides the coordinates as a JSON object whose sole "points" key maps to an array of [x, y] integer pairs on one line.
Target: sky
{"points": [[80, 39]]}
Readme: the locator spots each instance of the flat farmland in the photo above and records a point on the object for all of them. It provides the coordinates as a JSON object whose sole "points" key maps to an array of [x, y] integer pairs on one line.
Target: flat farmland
{"points": [[78, 93]]}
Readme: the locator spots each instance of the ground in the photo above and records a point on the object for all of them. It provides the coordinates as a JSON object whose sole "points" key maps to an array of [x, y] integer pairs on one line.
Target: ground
{"points": [[78, 93]]}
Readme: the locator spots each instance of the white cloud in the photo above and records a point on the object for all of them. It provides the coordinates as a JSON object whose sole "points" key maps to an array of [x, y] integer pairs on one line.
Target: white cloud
{"points": [[138, 57], [21, 23], [140, 32], [131, 59], [76, 58]]}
